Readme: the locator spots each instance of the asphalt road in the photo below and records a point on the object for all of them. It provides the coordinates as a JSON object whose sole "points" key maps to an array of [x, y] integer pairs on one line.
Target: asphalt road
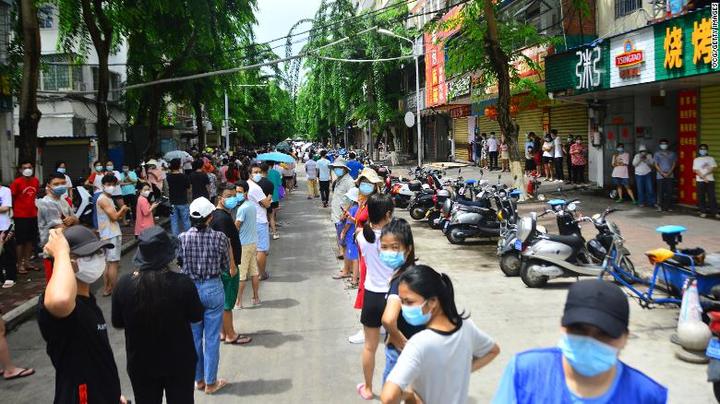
{"points": [[300, 353]]}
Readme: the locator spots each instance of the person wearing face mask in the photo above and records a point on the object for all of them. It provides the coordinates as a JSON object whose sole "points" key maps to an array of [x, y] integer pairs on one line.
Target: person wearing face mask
{"points": [[117, 195], [144, 211], [24, 190], [343, 183], [262, 198], [397, 251], [72, 324], [8, 248], [493, 146], [548, 157], [61, 167], [375, 287], [128, 188], [577, 159], [584, 367], [158, 336], [644, 164], [703, 167], [222, 221], [323, 166], [109, 218], [665, 163], [54, 211], [274, 177], [203, 254], [450, 344], [350, 267], [245, 222], [620, 173]]}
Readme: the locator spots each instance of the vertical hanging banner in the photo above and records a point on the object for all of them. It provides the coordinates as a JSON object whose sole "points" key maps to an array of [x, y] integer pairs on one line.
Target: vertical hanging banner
{"points": [[436, 89], [687, 145]]}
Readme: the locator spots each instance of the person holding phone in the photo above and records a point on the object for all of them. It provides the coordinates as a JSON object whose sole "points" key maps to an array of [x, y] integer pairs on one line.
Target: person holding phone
{"points": [[54, 211]]}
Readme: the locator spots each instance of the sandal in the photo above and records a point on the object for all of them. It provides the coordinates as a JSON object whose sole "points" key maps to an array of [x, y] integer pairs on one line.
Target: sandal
{"points": [[340, 275], [239, 340], [351, 286], [219, 384], [22, 373], [360, 388]]}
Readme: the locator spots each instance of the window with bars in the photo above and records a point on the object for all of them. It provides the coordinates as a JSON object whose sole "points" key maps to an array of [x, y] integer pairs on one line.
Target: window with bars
{"points": [[625, 7], [45, 16], [5, 27], [60, 76]]}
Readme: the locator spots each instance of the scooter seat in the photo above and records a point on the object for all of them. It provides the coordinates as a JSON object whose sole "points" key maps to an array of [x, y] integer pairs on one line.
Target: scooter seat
{"points": [[573, 240], [464, 202], [659, 255]]}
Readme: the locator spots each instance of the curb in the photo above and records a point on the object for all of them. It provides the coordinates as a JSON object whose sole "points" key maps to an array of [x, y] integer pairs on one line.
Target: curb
{"points": [[18, 315]]}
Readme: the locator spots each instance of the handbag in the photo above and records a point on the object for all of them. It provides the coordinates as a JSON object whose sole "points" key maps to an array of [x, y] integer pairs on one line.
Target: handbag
{"points": [[281, 192]]}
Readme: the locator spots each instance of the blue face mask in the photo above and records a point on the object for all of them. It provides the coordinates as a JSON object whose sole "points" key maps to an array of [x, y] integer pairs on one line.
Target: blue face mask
{"points": [[339, 172], [240, 197], [588, 356], [61, 170], [366, 188], [256, 178], [392, 259], [414, 315], [59, 190], [230, 203]]}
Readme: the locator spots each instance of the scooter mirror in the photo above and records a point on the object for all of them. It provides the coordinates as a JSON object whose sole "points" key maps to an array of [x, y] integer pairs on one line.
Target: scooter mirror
{"points": [[571, 207]]}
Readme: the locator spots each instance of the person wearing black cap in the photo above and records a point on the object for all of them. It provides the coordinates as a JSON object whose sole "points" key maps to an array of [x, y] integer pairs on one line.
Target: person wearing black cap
{"points": [[72, 324], [584, 367], [156, 306]]}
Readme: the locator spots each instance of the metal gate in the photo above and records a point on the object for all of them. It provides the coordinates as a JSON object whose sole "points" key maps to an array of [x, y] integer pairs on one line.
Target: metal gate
{"points": [[710, 121]]}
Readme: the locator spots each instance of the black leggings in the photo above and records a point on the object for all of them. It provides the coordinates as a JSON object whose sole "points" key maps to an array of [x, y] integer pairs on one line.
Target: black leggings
{"points": [[578, 174], [178, 388], [325, 191], [8, 260]]}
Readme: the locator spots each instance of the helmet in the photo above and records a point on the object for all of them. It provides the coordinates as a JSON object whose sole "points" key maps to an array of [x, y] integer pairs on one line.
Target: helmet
{"points": [[443, 193]]}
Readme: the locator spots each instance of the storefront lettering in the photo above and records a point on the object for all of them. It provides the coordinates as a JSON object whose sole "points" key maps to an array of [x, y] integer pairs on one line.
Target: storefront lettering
{"points": [[628, 62], [673, 48], [702, 41], [588, 62]]}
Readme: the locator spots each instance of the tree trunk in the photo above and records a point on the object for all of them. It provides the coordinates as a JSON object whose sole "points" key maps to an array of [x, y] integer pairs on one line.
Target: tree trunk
{"points": [[29, 112], [501, 63], [198, 109]]}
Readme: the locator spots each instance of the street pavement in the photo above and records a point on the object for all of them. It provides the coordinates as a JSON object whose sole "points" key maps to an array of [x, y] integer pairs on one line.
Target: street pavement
{"points": [[300, 353]]}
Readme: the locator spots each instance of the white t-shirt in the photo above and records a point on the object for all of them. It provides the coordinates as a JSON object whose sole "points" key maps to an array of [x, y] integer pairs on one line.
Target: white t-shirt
{"points": [[5, 200], [558, 147], [705, 165], [311, 169], [643, 167], [68, 183], [438, 365], [98, 183], [492, 144], [621, 171], [256, 194], [548, 149], [377, 277]]}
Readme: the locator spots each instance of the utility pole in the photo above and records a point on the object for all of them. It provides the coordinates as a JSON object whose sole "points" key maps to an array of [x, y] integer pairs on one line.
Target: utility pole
{"points": [[226, 125]]}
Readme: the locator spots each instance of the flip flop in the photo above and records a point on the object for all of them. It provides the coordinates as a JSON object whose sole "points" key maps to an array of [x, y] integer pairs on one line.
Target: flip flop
{"points": [[341, 276], [22, 373], [218, 385], [240, 340], [360, 387]]}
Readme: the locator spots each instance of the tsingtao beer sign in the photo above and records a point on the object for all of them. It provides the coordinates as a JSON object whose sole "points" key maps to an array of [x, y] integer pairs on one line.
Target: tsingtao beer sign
{"points": [[629, 61]]}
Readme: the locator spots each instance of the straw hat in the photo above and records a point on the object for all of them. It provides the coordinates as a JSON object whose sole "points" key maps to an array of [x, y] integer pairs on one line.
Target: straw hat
{"points": [[370, 175]]}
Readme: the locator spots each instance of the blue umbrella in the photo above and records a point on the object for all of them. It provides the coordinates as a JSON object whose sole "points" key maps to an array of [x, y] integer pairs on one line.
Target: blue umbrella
{"points": [[275, 156]]}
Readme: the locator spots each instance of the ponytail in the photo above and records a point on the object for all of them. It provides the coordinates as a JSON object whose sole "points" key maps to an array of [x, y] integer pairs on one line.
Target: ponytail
{"points": [[378, 206], [428, 283], [368, 233]]}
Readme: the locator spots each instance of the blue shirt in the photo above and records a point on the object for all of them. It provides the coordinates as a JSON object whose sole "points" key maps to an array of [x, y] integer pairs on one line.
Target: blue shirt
{"points": [[537, 376], [350, 235], [323, 166], [355, 168], [246, 214], [129, 189], [665, 160]]}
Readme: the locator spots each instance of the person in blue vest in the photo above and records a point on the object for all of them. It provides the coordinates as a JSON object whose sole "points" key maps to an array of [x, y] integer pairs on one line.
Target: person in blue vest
{"points": [[354, 165], [584, 366]]}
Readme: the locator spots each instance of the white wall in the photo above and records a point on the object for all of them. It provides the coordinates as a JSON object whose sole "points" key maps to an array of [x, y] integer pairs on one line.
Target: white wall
{"points": [[607, 25]]}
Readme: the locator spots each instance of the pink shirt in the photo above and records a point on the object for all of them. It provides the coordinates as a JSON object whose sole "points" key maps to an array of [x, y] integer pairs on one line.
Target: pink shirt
{"points": [[144, 215]]}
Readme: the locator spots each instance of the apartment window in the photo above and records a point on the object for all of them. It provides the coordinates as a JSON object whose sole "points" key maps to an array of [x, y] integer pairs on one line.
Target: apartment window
{"points": [[5, 28], [625, 7], [45, 16], [60, 76]]}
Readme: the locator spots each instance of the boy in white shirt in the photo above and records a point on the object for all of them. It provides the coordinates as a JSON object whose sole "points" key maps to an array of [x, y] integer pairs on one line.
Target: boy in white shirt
{"points": [[703, 166]]}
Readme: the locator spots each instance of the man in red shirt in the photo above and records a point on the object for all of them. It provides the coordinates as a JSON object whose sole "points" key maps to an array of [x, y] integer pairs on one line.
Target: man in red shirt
{"points": [[24, 191]]}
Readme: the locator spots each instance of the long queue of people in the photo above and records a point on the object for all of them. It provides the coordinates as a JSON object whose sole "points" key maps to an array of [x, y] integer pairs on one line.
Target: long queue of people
{"points": [[431, 347], [174, 320]]}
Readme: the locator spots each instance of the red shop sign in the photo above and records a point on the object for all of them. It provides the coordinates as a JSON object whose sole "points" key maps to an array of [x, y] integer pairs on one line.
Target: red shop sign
{"points": [[460, 112], [687, 144]]}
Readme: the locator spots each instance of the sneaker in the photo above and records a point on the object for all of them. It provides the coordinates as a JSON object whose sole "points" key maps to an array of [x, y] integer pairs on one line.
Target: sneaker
{"points": [[8, 284], [275, 236], [357, 338]]}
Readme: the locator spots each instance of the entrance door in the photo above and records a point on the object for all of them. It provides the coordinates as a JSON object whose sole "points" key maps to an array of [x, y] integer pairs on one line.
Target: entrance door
{"points": [[615, 134]]}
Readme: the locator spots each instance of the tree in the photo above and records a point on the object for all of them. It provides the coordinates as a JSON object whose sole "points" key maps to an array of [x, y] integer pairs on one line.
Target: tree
{"points": [[92, 21], [29, 112]]}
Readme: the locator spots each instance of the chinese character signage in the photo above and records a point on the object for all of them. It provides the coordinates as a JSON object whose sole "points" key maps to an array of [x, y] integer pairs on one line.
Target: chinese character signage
{"points": [[459, 87], [684, 46], [588, 68], [436, 90], [687, 144], [633, 58], [579, 71]]}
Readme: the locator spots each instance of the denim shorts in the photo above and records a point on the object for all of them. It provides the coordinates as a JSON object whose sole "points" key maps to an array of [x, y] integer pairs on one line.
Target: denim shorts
{"points": [[391, 357], [263, 233], [617, 181]]}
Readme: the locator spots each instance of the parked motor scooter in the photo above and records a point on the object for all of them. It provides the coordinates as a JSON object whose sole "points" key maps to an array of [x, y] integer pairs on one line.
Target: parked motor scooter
{"points": [[552, 256], [474, 221], [423, 201]]}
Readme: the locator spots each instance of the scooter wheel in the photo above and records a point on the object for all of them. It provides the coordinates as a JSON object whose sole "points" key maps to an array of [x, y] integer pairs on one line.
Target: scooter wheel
{"points": [[417, 213], [530, 279], [453, 238], [510, 264]]}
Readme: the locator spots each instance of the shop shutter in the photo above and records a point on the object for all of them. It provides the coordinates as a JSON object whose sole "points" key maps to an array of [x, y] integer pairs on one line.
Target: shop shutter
{"points": [[570, 119], [460, 133], [485, 125], [529, 121], [710, 122]]}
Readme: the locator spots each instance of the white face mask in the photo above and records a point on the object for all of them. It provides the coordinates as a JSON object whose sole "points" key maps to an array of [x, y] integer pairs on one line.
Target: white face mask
{"points": [[110, 189], [145, 193], [28, 172], [90, 268]]}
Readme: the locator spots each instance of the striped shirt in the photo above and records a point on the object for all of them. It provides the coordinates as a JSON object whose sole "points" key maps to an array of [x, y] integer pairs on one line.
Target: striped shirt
{"points": [[203, 253]]}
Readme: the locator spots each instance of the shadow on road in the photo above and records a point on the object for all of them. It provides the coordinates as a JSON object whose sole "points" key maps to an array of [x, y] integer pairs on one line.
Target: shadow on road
{"points": [[257, 387], [279, 303], [289, 278], [273, 339]]}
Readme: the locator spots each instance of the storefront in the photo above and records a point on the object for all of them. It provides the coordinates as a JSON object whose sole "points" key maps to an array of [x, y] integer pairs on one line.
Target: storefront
{"points": [[710, 121], [461, 129]]}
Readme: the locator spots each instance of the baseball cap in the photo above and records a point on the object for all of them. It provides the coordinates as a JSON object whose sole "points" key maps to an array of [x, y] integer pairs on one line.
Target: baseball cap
{"points": [[597, 303], [83, 241], [201, 208]]}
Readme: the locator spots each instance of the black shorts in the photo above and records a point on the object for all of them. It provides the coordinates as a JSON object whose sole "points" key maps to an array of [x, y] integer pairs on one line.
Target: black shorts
{"points": [[26, 230], [548, 160], [529, 164], [373, 308], [273, 206]]}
